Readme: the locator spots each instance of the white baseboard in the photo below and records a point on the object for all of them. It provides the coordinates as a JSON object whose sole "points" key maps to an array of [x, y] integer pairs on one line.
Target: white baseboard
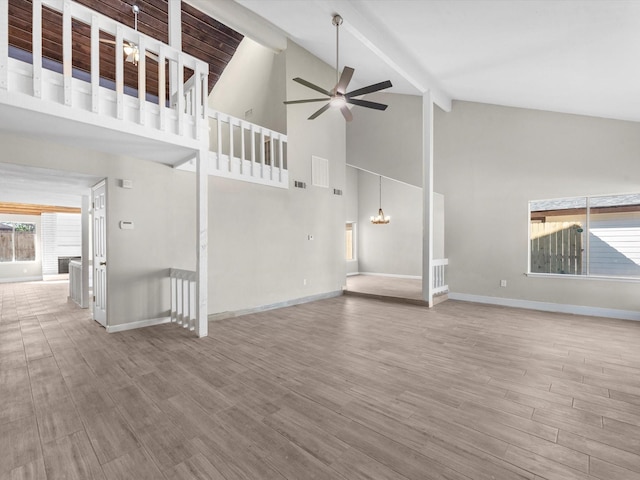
{"points": [[548, 307], [273, 306], [412, 277], [20, 279], [139, 324]]}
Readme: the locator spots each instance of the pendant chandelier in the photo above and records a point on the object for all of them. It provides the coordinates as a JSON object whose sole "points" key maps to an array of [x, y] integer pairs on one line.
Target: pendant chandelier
{"points": [[380, 219]]}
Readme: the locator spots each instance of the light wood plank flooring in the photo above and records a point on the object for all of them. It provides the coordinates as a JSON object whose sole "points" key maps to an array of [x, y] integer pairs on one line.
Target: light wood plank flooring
{"points": [[345, 388], [406, 290]]}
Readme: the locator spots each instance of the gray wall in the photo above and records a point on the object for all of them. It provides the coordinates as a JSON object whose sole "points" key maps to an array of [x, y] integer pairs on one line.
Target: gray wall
{"points": [[490, 161], [394, 248], [388, 143], [23, 271], [161, 205], [259, 252], [254, 80]]}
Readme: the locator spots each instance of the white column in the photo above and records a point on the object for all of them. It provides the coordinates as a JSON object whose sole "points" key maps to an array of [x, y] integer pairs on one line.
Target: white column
{"points": [[4, 45], [85, 223], [175, 41], [427, 197], [202, 268]]}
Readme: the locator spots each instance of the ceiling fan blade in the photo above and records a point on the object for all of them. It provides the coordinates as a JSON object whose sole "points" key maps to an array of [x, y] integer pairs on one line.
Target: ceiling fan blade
{"points": [[310, 85], [290, 102], [370, 89], [320, 112], [345, 78], [346, 113], [366, 103]]}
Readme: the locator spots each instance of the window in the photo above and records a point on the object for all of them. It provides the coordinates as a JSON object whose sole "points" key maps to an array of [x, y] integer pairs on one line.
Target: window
{"points": [[597, 236], [17, 242], [350, 238]]}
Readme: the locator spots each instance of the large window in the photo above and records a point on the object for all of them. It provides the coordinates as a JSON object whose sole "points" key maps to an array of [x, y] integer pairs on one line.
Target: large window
{"points": [[597, 236], [17, 242]]}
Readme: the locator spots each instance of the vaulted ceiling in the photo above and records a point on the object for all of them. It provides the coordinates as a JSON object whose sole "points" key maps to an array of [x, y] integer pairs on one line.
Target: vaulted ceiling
{"points": [[202, 36], [572, 56]]}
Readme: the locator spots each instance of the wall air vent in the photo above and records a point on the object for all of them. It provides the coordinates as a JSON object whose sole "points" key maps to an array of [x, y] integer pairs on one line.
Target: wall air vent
{"points": [[298, 184], [337, 191]]}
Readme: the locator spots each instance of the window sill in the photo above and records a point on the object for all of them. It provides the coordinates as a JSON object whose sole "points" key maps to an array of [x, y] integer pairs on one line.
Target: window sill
{"points": [[585, 277]]}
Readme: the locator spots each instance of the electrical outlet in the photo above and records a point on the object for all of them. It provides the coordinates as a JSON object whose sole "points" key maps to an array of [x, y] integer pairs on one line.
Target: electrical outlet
{"points": [[503, 283]]}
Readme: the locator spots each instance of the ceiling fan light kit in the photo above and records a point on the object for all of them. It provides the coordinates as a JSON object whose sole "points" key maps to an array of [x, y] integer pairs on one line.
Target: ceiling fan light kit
{"points": [[338, 97], [131, 51]]}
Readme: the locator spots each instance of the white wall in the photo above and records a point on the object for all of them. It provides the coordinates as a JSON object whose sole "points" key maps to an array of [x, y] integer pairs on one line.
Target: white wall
{"points": [[259, 252], [394, 248], [490, 161], [161, 205], [23, 271]]}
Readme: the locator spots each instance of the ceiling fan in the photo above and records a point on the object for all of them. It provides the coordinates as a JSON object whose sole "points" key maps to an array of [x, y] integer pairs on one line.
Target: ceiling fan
{"points": [[131, 51], [339, 97]]}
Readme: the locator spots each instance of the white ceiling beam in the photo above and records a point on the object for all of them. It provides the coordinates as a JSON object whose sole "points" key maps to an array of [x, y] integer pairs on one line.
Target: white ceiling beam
{"points": [[244, 21], [377, 38]]}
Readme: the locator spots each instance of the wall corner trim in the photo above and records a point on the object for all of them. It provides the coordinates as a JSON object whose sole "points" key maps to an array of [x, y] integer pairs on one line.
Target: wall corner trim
{"points": [[139, 324], [548, 306]]}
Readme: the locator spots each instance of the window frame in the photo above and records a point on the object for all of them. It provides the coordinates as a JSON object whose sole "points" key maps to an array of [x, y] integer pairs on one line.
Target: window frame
{"points": [[587, 276], [354, 242], [13, 243]]}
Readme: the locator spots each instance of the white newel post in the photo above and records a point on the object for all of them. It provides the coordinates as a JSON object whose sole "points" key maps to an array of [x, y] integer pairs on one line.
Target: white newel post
{"points": [[427, 197], [175, 41], [202, 270]]}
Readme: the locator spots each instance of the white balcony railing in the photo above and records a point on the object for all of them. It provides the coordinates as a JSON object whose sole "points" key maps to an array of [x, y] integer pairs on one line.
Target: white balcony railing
{"points": [[75, 282], [245, 151], [183, 299], [180, 112], [439, 278]]}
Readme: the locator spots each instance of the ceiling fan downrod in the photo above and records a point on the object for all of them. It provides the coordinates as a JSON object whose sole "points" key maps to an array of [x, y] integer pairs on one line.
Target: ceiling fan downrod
{"points": [[337, 21]]}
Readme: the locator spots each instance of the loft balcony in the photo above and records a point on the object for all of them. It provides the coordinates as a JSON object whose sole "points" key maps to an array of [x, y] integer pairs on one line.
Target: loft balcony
{"points": [[162, 115]]}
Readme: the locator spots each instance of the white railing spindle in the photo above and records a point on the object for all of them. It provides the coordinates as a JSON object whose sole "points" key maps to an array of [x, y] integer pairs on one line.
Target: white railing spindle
{"points": [[280, 157], [253, 150], [142, 81], [119, 73], [67, 49], [162, 89], [95, 64], [36, 36], [180, 109]]}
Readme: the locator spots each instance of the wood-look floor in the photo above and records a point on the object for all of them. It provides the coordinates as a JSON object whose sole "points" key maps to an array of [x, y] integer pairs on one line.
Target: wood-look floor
{"points": [[345, 388]]}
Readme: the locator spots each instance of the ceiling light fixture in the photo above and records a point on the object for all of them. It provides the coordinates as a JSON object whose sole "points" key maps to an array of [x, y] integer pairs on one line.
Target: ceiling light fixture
{"points": [[131, 50], [380, 219]]}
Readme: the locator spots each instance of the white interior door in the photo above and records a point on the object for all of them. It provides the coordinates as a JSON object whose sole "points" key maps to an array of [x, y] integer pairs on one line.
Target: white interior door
{"points": [[99, 194]]}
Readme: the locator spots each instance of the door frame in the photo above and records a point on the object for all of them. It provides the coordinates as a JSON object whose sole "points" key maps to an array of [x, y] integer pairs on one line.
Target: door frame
{"points": [[95, 264]]}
